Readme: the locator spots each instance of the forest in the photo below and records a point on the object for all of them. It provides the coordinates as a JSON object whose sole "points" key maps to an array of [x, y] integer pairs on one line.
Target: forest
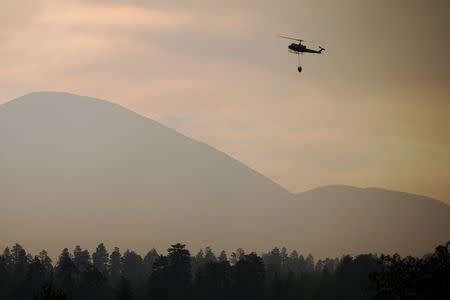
{"points": [[178, 275]]}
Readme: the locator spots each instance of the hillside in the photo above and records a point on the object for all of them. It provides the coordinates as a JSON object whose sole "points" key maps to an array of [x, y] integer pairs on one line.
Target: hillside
{"points": [[371, 219], [78, 170]]}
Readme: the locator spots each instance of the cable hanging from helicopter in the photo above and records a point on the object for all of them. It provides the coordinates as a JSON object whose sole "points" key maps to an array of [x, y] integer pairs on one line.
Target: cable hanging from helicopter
{"points": [[299, 68]]}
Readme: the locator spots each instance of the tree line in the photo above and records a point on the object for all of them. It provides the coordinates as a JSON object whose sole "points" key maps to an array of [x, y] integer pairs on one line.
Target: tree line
{"points": [[178, 275]]}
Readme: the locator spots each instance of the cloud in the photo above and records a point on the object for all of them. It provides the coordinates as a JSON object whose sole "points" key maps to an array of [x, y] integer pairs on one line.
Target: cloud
{"points": [[100, 17]]}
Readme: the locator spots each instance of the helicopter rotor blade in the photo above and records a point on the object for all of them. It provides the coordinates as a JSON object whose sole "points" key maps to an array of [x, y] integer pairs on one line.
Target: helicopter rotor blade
{"points": [[291, 38], [316, 43]]}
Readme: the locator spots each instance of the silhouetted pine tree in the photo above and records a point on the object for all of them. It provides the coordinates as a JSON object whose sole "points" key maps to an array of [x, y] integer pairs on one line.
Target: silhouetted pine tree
{"points": [[65, 272], [81, 258], [149, 260], [100, 259], [115, 266], [180, 272]]}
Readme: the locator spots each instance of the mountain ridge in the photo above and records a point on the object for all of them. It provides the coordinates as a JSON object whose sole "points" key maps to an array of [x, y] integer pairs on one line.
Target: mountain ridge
{"points": [[88, 98], [73, 97], [346, 187], [86, 170]]}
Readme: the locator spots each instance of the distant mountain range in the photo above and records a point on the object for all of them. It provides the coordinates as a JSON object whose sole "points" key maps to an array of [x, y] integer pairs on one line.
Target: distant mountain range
{"points": [[78, 170]]}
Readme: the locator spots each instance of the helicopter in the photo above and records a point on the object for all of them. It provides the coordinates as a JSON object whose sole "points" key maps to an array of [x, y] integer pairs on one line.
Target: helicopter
{"points": [[300, 49]]}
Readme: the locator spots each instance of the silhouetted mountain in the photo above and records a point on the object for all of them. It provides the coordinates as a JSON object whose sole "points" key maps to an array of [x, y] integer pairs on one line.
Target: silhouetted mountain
{"points": [[75, 169], [370, 219]]}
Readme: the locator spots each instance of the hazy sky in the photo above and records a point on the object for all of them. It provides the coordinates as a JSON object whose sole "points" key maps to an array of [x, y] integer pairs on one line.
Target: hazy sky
{"points": [[373, 111]]}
